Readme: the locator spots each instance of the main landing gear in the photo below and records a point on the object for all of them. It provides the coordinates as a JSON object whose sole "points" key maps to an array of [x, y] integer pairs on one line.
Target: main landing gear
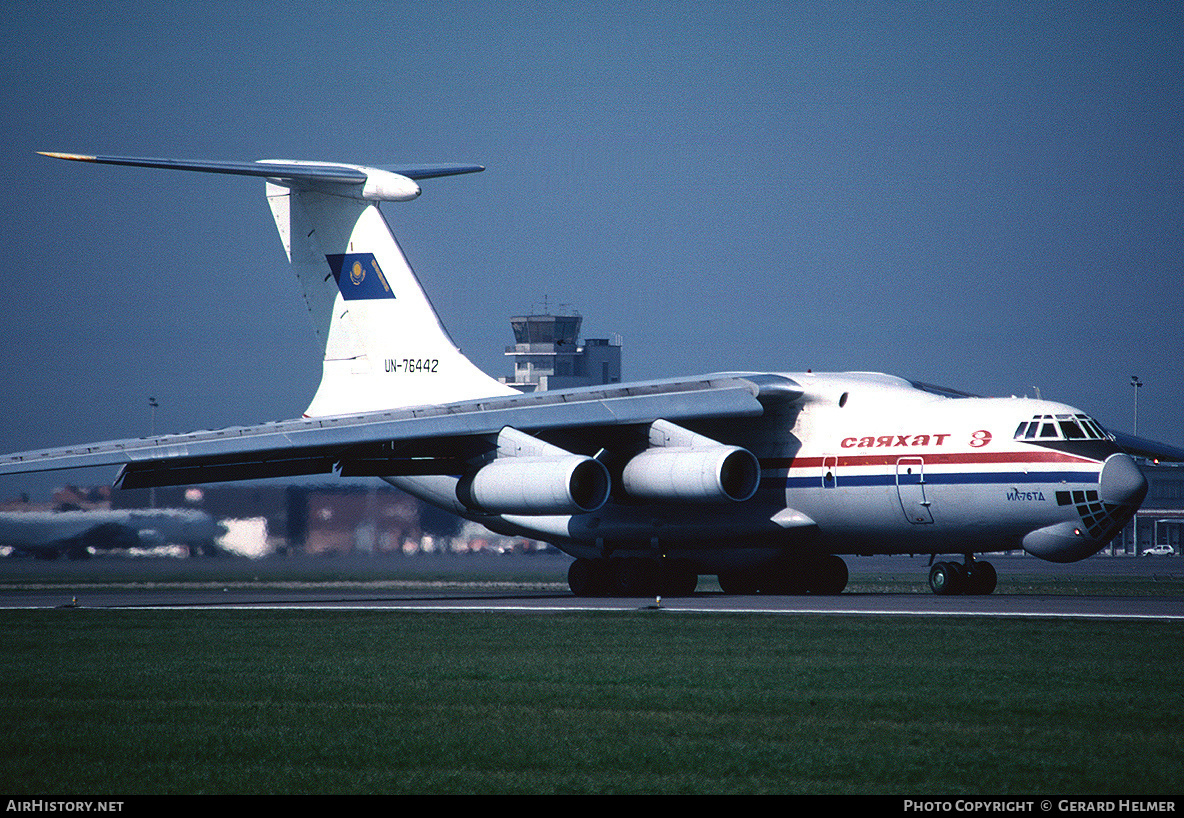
{"points": [[971, 577], [826, 575], [632, 576], [636, 576]]}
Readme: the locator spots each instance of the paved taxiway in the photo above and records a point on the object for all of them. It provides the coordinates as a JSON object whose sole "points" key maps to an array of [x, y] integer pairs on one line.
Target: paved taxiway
{"points": [[535, 583]]}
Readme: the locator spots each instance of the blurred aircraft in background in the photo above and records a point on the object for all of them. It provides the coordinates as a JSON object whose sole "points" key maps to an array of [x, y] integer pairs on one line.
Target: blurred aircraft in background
{"points": [[80, 534]]}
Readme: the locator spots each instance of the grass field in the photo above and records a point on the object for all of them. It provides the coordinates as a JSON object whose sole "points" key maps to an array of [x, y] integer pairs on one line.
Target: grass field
{"points": [[125, 702]]}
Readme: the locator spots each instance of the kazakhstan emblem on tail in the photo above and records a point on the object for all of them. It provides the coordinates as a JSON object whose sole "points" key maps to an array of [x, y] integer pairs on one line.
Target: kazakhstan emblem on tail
{"points": [[350, 272]]}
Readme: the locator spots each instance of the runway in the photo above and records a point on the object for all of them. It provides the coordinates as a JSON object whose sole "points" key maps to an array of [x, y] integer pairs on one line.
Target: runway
{"points": [[1100, 587]]}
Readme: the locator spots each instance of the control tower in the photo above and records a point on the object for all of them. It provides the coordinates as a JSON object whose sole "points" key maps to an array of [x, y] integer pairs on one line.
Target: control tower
{"points": [[547, 354]]}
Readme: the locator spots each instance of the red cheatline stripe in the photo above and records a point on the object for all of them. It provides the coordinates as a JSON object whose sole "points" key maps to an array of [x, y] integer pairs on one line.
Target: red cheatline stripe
{"points": [[930, 458]]}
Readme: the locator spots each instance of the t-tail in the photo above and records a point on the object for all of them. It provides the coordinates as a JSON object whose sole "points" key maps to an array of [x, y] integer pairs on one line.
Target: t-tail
{"points": [[385, 346]]}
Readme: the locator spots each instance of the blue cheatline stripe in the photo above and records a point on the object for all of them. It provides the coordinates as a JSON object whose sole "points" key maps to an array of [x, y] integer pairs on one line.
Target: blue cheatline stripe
{"points": [[358, 276], [946, 479]]}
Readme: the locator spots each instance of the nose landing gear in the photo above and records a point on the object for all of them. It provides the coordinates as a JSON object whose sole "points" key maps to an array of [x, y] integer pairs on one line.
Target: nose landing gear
{"points": [[971, 577]]}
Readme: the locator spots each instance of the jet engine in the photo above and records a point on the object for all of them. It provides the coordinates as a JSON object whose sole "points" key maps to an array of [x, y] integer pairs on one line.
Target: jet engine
{"points": [[530, 476], [681, 465]]}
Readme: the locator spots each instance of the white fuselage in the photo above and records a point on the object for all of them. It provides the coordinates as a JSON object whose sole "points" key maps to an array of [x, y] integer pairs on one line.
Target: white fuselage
{"points": [[867, 463]]}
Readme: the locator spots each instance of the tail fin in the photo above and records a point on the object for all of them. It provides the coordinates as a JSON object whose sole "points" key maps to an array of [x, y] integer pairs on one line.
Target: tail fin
{"points": [[385, 346]]}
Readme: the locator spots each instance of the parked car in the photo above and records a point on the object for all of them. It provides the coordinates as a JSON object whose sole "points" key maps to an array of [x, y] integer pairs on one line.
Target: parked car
{"points": [[1159, 551]]}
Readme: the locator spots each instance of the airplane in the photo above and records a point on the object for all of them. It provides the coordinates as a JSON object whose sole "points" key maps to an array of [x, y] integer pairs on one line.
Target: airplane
{"points": [[763, 479], [48, 535]]}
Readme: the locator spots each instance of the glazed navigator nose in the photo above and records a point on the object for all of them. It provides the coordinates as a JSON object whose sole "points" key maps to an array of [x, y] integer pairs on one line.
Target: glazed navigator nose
{"points": [[1121, 482], [1121, 488]]}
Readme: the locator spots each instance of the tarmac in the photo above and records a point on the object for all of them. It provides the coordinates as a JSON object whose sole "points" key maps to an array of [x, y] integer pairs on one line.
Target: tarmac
{"points": [[536, 583]]}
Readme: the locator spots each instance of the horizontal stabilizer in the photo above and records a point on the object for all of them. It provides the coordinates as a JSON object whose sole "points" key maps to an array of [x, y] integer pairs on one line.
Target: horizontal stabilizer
{"points": [[387, 183]]}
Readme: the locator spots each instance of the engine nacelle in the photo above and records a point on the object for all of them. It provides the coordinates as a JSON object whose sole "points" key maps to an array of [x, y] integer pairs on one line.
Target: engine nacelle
{"points": [[687, 474], [570, 484]]}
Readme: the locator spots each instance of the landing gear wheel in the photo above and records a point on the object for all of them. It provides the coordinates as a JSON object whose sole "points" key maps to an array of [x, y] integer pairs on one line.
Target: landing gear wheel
{"points": [[588, 577], [829, 576], [634, 576], [738, 582], [981, 578], [677, 577], [785, 580], [946, 578]]}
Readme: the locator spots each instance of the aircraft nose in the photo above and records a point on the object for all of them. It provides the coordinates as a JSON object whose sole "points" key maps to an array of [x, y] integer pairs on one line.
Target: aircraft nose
{"points": [[1121, 488], [1121, 482]]}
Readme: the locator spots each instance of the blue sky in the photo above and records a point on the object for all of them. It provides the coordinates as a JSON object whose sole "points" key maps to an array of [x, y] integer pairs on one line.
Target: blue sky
{"points": [[987, 198]]}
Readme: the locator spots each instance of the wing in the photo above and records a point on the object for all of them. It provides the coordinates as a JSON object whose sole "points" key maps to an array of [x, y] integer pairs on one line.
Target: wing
{"points": [[417, 441], [1150, 449]]}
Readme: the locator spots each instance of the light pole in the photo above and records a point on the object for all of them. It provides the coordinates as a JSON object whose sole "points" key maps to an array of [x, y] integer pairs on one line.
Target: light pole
{"points": [[1136, 384], [152, 433]]}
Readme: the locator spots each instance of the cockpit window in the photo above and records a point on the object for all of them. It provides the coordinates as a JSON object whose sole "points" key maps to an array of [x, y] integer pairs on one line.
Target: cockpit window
{"points": [[1094, 430], [1060, 427], [1070, 429]]}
